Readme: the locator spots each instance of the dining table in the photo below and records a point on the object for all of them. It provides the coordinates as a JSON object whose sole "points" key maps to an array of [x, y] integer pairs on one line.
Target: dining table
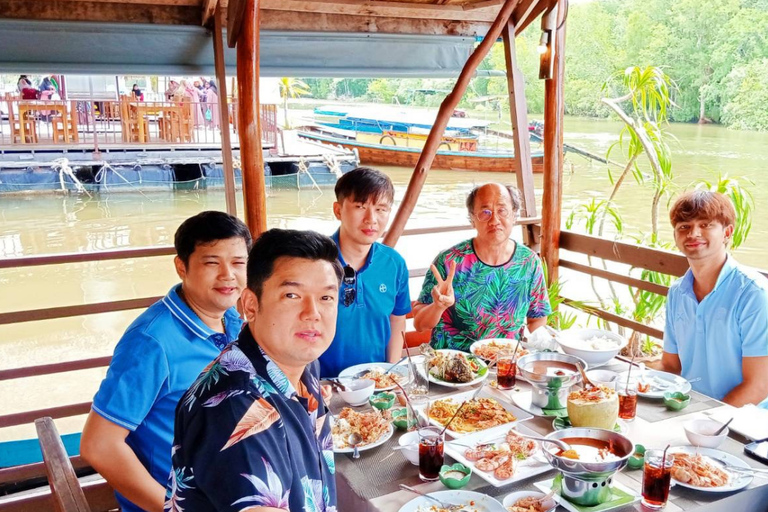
{"points": [[27, 107], [372, 482]]}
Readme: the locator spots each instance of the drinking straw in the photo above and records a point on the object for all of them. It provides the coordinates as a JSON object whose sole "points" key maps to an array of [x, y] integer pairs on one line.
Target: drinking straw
{"points": [[664, 459], [629, 372]]}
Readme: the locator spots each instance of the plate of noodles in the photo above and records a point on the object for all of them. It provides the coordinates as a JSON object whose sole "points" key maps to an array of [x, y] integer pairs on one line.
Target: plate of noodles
{"points": [[377, 372], [482, 413], [371, 425]]}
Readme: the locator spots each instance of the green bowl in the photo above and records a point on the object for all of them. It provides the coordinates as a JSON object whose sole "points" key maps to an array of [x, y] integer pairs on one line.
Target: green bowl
{"points": [[400, 418], [637, 459], [676, 401], [382, 400], [455, 483]]}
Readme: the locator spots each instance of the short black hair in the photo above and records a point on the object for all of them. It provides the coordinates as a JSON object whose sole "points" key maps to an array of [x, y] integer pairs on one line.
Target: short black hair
{"points": [[289, 243], [362, 184], [513, 194], [206, 228]]}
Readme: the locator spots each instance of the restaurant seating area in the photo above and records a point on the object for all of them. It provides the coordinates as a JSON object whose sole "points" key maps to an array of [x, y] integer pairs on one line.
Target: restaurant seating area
{"points": [[30, 123]]}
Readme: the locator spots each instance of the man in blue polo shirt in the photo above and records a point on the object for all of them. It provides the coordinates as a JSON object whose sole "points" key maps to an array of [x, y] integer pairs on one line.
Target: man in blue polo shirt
{"points": [[374, 297], [716, 329], [129, 432]]}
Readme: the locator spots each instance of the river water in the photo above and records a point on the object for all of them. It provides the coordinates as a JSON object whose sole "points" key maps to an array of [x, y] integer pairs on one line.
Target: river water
{"points": [[36, 225]]}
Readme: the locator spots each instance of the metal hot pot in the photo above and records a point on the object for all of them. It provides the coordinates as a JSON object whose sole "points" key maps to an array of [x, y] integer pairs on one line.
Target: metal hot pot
{"points": [[549, 391], [588, 483]]}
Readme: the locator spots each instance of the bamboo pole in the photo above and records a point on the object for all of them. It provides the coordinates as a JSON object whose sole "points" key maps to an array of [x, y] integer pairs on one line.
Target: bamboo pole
{"points": [[435, 137], [249, 120], [226, 142], [552, 199], [518, 112]]}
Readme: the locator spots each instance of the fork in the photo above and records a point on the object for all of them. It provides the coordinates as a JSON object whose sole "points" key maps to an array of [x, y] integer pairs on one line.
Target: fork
{"points": [[448, 506]]}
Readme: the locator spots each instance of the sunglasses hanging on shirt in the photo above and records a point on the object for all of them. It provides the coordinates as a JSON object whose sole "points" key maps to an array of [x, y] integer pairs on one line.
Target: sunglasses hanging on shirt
{"points": [[350, 280]]}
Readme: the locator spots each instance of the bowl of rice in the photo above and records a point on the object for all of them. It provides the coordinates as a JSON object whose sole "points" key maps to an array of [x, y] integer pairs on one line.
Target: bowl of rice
{"points": [[595, 346]]}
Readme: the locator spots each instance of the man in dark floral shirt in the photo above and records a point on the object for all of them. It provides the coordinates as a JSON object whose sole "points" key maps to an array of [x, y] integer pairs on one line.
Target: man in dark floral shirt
{"points": [[252, 431]]}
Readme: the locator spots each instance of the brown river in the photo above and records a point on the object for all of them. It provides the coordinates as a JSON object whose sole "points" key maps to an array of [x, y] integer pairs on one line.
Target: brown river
{"points": [[39, 224]]}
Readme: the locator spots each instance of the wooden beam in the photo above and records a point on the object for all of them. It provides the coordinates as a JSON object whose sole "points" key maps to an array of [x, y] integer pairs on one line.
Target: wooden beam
{"points": [[34, 315], [226, 142], [530, 14], [552, 200], [49, 369], [235, 13], [624, 322], [63, 411], [441, 122], [249, 120], [374, 8], [285, 20], [634, 255], [131, 2], [518, 111], [209, 7], [613, 276], [62, 10]]}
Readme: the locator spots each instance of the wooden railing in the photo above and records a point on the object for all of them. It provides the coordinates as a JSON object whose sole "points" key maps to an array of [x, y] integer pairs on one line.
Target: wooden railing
{"points": [[125, 122], [619, 252]]}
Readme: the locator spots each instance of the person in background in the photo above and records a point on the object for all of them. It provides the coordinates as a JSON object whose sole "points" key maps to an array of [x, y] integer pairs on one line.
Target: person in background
{"points": [[211, 113], [136, 92], [173, 86], [252, 433], [186, 93], [487, 287], [24, 83], [716, 331], [128, 434], [374, 295]]}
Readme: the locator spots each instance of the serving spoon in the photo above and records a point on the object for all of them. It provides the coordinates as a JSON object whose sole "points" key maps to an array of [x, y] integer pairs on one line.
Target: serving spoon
{"points": [[355, 439]]}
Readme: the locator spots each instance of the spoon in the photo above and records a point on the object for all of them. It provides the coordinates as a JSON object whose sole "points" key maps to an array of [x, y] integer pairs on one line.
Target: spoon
{"points": [[560, 444], [584, 377], [442, 504], [355, 439], [720, 430]]}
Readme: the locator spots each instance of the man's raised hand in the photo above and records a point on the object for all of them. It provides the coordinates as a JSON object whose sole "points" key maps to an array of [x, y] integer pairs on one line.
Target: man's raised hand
{"points": [[442, 292]]}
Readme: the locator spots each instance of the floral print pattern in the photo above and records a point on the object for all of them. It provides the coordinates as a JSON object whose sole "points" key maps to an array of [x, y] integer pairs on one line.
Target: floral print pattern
{"points": [[244, 438], [491, 301]]}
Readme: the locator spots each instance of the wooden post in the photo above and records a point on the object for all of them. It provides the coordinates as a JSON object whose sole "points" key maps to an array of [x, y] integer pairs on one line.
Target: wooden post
{"points": [[553, 151], [226, 142], [249, 120], [441, 122], [518, 111]]}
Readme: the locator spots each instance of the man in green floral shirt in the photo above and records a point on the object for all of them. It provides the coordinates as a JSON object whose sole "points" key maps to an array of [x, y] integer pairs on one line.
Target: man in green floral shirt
{"points": [[486, 287]]}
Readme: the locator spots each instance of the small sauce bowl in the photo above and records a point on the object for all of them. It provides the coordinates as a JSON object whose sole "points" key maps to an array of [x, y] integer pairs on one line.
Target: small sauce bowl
{"points": [[452, 478]]}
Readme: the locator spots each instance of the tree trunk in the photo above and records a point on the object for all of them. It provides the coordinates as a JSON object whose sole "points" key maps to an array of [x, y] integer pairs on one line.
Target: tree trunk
{"points": [[702, 107]]}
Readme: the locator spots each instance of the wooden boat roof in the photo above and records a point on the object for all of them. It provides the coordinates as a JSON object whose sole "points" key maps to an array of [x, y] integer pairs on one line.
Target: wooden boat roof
{"points": [[434, 17]]}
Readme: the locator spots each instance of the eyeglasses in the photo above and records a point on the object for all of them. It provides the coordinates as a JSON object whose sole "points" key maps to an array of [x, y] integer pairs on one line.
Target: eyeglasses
{"points": [[349, 279], [485, 215]]}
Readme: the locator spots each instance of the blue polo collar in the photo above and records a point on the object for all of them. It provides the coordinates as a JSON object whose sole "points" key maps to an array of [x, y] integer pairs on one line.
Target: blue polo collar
{"points": [[368, 259], [191, 321], [728, 267]]}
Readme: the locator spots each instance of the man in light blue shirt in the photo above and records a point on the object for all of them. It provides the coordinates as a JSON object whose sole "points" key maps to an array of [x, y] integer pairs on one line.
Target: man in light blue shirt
{"points": [[129, 432], [374, 297], [716, 329]]}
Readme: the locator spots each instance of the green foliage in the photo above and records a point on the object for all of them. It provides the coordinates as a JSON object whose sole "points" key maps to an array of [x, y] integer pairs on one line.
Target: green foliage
{"points": [[746, 93]]}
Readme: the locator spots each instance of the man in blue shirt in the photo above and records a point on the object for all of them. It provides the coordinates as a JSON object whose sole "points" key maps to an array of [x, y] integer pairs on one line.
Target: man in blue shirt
{"points": [[128, 435], [252, 433], [374, 294], [717, 313]]}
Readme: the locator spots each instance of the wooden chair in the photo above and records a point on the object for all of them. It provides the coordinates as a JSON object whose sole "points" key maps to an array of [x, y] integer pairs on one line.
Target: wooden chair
{"points": [[30, 126], [57, 124], [67, 494], [187, 121], [129, 121]]}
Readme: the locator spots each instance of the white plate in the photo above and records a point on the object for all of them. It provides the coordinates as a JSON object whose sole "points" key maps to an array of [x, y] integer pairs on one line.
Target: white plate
{"points": [[546, 486], [533, 465], [349, 373], [661, 382], [383, 439], [511, 499], [476, 380], [505, 342], [523, 399], [520, 414], [736, 482], [483, 502]]}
